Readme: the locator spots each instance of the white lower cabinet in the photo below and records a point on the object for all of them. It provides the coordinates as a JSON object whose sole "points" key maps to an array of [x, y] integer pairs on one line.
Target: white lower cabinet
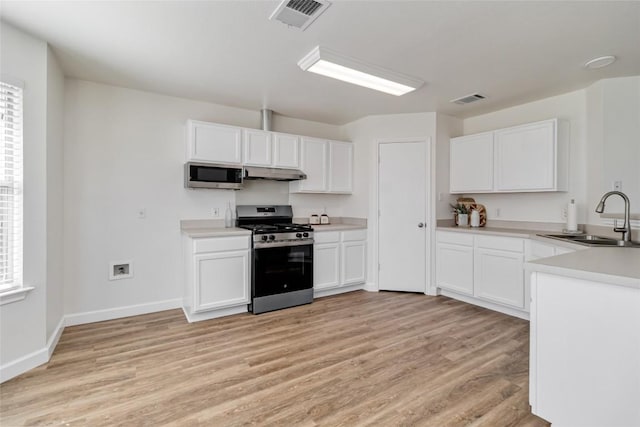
{"points": [[454, 262], [339, 259], [498, 277], [217, 276], [326, 262], [484, 270], [354, 258]]}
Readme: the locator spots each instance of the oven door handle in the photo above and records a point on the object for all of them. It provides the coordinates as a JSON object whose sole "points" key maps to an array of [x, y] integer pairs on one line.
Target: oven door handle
{"points": [[260, 245]]}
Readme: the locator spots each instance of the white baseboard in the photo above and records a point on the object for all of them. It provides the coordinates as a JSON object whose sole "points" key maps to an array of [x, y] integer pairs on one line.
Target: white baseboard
{"points": [[338, 290], [38, 357], [486, 304], [55, 337], [370, 287], [32, 360], [23, 364], [207, 315], [117, 313]]}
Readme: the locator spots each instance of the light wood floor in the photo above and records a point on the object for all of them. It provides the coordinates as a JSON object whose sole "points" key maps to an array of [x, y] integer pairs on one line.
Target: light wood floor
{"points": [[361, 358]]}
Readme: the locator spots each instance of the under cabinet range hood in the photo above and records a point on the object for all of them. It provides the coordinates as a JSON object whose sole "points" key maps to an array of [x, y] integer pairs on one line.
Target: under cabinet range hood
{"points": [[274, 174]]}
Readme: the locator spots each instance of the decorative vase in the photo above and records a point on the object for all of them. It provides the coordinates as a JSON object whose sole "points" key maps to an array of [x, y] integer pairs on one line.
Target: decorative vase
{"points": [[463, 220]]}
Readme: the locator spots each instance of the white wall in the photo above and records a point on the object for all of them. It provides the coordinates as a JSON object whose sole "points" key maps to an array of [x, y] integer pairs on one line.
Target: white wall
{"points": [[544, 207], [124, 150], [55, 194], [447, 127], [23, 324], [613, 111]]}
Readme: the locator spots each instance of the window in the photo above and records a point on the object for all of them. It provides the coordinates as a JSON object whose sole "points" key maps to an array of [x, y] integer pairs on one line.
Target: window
{"points": [[10, 187]]}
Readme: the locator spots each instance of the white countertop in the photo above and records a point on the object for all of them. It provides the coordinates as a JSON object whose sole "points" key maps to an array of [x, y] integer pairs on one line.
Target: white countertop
{"points": [[618, 266], [514, 232], [497, 231], [216, 232], [210, 228], [337, 227]]}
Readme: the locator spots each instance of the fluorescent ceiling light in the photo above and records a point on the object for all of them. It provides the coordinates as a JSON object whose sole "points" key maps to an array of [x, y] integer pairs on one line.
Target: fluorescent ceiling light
{"points": [[331, 64]]}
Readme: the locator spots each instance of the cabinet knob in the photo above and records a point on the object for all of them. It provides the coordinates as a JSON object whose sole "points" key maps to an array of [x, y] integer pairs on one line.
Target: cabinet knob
{"points": [[420, 224]]}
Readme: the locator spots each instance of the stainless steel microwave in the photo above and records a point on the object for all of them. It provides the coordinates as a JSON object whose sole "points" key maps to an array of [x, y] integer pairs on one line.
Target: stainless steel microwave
{"points": [[209, 175]]}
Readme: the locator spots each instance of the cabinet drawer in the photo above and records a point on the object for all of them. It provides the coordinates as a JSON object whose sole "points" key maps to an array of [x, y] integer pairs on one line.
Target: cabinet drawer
{"points": [[354, 235], [217, 244], [455, 238], [326, 237], [500, 243]]}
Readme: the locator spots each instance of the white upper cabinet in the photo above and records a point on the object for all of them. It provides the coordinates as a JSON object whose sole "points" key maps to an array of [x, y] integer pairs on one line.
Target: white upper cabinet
{"points": [[340, 167], [270, 149], [210, 142], [471, 165], [257, 148], [313, 162], [328, 165], [525, 158], [286, 151]]}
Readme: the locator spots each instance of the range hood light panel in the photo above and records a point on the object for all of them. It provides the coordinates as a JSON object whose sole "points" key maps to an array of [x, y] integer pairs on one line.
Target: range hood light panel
{"points": [[331, 64]]}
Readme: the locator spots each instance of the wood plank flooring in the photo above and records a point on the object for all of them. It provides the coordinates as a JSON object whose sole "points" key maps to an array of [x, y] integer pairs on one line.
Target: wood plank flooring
{"points": [[384, 359]]}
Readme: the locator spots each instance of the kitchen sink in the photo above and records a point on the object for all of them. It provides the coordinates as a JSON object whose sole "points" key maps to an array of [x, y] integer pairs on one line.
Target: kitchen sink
{"points": [[591, 240]]}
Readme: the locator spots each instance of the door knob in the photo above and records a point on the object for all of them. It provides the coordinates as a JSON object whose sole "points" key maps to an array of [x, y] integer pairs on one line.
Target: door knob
{"points": [[420, 224]]}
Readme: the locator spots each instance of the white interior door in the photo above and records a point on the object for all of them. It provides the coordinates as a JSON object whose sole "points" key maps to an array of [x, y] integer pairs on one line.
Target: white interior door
{"points": [[402, 227]]}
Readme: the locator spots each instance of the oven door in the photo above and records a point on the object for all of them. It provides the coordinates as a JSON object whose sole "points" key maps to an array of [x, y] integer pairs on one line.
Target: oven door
{"points": [[279, 269]]}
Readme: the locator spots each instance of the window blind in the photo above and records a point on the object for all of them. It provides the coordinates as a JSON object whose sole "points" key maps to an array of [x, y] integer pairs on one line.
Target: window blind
{"points": [[10, 186]]}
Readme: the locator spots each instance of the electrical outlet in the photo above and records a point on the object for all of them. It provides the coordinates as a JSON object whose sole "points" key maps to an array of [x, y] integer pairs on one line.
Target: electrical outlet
{"points": [[215, 212], [142, 213], [497, 212], [563, 212], [120, 270]]}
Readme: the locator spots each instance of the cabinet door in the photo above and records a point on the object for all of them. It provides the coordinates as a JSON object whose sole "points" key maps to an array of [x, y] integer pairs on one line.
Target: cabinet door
{"points": [[526, 157], [499, 277], [354, 256], [471, 163], [257, 148], [313, 155], [208, 142], [454, 268], [286, 151], [221, 280], [326, 266], [340, 167]]}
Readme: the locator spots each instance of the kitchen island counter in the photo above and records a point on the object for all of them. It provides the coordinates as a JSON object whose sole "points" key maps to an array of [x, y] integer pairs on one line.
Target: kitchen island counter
{"points": [[617, 266]]}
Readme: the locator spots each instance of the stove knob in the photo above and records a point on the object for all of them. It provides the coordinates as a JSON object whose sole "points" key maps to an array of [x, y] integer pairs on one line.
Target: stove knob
{"points": [[305, 234], [264, 238], [298, 235], [272, 237]]}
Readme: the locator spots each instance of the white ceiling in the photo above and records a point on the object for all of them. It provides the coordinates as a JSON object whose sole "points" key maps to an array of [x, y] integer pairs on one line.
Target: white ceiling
{"points": [[228, 52]]}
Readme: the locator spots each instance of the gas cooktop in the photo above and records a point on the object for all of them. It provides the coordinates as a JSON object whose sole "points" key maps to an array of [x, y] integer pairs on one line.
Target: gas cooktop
{"points": [[277, 228]]}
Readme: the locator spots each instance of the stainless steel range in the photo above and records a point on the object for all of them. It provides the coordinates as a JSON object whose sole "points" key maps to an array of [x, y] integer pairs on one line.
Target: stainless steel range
{"points": [[282, 261]]}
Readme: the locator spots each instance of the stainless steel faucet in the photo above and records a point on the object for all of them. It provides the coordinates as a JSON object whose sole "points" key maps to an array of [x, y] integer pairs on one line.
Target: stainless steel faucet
{"points": [[626, 228]]}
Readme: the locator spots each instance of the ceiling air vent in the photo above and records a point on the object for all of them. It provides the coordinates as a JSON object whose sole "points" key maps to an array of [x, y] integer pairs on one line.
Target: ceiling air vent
{"points": [[467, 99], [299, 13]]}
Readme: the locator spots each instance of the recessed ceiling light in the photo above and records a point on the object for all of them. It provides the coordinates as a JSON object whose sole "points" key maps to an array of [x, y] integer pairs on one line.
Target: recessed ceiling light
{"points": [[332, 64], [601, 62]]}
